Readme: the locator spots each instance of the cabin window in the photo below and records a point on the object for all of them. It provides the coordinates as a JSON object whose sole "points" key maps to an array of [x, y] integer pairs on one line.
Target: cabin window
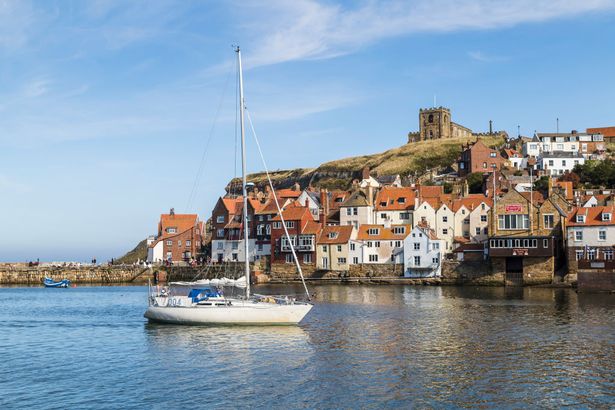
{"points": [[581, 219]]}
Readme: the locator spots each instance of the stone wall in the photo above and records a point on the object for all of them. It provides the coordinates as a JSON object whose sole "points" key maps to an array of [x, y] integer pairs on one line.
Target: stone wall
{"points": [[594, 281], [10, 275]]}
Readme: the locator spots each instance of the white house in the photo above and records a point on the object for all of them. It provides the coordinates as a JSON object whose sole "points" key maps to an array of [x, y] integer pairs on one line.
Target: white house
{"points": [[591, 236], [381, 244], [558, 162], [358, 209], [423, 253], [394, 205]]}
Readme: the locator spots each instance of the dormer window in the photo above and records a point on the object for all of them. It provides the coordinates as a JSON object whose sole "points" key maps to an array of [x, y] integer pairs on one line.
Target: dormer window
{"points": [[332, 235], [383, 203], [373, 231], [401, 200], [171, 230], [606, 217], [581, 219], [399, 230], [492, 154]]}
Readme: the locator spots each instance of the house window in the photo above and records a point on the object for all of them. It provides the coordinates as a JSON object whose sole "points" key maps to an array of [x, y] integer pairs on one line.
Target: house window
{"points": [[417, 261], [548, 221], [484, 165], [398, 244], [477, 231], [591, 254], [373, 258], [483, 218], [332, 235], [383, 216], [188, 243], [169, 243], [268, 230], [404, 215], [492, 154], [277, 225], [220, 219], [602, 235], [545, 243], [445, 231], [445, 218], [417, 246], [290, 224], [355, 260], [171, 230], [560, 147], [373, 231], [348, 211], [355, 211], [581, 219], [288, 258], [377, 244], [434, 260], [608, 254], [324, 248], [169, 255], [606, 217], [220, 233], [435, 245], [339, 248], [234, 256], [578, 235], [307, 258], [399, 230], [466, 221], [515, 221], [341, 261], [352, 246], [563, 163], [220, 245], [579, 254], [260, 247], [369, 244], [235, 245]]}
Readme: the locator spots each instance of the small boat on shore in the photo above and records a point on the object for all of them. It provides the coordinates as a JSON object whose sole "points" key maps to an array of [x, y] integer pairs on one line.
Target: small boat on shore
{"points": [[50, 283]]}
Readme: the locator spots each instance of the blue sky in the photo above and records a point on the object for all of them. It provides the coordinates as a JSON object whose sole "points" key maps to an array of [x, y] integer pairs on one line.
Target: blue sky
{"points": [[106, 106]]}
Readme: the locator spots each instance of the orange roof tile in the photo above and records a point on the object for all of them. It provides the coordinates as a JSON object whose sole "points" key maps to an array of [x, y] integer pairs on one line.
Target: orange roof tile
{"points": [[392, 198], [293, 213], [334, 234], [608, 132], [426, 191], [312, 227], [181, 222], [383, 232], [287, 193], [567, 185], [593, 216], [471, 202]]}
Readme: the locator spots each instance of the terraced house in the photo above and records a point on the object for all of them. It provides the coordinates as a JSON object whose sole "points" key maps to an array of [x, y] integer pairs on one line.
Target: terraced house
{"points": [[333, 247], [303, 231], [591, 239], [382, 244], [394, 205]]}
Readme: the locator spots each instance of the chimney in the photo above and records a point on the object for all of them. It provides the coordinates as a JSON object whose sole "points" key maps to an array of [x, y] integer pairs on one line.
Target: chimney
{"points": [[296, 187], [465, 189], [324, 201], [370, 195], [172, 211], [490, 127], [365, 172], [550, 187], [307, 203]]}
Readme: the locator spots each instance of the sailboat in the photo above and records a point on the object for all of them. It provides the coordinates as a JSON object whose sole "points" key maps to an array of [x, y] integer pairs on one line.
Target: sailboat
{"points": [[200, 303]]}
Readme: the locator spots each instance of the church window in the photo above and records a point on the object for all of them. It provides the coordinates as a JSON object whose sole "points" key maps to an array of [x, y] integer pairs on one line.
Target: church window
{"points": [[430, 119]]}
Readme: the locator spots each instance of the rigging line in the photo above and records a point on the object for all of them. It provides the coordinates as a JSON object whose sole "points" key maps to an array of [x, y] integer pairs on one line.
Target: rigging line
{"points": [[277, 205], [194, 189]]}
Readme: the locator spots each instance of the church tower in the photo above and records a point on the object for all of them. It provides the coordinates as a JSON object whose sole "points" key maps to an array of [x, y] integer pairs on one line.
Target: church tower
{"points": [[434, 123]]}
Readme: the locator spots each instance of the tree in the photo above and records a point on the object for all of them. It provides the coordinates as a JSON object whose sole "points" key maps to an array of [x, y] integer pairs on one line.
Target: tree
{"points": [[475, 182], [448, 187], [542, 184], [572, 177]]}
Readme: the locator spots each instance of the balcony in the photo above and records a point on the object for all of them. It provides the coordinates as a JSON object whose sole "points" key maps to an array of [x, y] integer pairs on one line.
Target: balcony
{"points": [[532, 246]]}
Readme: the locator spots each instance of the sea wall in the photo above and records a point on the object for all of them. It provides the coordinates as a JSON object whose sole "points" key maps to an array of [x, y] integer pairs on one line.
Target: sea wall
{"points": [[25, 275]]}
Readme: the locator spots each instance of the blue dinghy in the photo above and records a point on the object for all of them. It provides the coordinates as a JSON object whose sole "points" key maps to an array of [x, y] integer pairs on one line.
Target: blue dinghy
{"points": [[50, 283]]}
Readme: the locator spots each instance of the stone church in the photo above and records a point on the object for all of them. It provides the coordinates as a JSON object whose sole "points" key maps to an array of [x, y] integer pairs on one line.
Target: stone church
{"points": [[436, 123]]}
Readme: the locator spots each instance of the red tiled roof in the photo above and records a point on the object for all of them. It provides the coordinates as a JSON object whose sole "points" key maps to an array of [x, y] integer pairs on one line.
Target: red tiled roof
{"points": [[537, 197], [293, 213], [567, 185], [181, 222], [608, 132], [334, 195], [312, 227], [471, 202], [383, 233], [426, 191], [395, 199], [231, 204], [287, 193], [593, 216], [343, 232]]}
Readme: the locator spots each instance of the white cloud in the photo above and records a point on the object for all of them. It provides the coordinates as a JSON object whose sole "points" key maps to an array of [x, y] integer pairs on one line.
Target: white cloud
{"points": [[307, 29], [485, 58], [37, 87]]}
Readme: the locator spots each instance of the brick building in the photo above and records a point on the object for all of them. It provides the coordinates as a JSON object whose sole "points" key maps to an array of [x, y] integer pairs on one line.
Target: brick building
{"points": [[526, 236], [478, 157], [303, 231], [179, 238]]}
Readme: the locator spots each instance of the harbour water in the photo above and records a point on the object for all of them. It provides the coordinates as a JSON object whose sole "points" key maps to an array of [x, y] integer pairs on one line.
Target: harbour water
{"points": [[360, 347]]}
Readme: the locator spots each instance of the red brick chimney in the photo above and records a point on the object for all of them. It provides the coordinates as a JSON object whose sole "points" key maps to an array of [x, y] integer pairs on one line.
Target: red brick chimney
{"points": [[323, 211], [365, 172]]}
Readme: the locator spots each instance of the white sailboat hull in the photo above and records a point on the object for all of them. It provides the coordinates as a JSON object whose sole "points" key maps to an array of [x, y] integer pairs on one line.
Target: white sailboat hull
{"points": [[239, 313]]}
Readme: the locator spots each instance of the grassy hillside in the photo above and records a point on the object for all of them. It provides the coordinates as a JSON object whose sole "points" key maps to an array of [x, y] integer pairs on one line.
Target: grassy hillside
{"points": [[138, 253], [410, 159]]}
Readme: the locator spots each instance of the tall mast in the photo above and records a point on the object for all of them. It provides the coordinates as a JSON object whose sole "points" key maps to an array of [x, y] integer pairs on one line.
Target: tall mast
{"points": [[243, 177]]}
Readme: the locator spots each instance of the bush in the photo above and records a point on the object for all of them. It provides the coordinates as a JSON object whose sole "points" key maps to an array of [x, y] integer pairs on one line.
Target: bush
{"points": [[475, 182]]}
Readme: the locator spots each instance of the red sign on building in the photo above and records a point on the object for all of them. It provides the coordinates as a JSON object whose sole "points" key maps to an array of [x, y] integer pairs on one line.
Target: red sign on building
{"points": [[520, 252], [514, 208]]}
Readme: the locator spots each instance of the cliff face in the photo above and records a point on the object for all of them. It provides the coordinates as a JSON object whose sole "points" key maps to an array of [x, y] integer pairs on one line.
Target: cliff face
{"points": [[413, 159]]}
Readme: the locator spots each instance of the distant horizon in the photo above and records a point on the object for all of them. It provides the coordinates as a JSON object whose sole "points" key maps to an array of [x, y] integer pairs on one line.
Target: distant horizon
{"points": [[107, 107]]}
